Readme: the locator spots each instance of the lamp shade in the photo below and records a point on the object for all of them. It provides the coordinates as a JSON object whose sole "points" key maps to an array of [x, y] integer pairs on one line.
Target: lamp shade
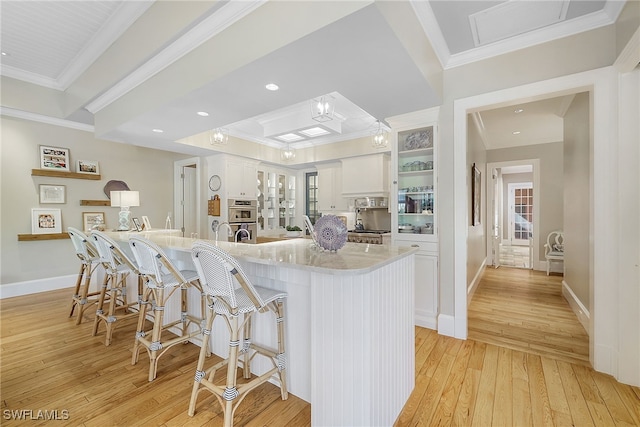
{"points": [[125, 198]]}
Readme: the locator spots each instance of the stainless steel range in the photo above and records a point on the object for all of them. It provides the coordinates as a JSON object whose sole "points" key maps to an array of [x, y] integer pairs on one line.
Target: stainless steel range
{"points": [[374, 237]]}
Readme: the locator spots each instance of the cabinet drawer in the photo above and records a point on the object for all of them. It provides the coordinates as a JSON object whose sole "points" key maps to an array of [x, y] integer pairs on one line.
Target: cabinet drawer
{"points": [[423, 246]]}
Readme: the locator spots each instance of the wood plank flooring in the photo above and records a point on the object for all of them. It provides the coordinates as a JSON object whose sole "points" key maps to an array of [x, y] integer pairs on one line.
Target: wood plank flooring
{"points": [[49, 363]]}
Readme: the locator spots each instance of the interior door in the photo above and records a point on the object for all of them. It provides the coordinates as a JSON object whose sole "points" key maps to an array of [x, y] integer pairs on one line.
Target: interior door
{"points": [[520, 213], [189, 209]]}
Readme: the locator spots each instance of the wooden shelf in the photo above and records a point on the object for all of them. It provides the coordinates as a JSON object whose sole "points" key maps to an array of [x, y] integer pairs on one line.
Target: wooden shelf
{"points": [[95, 202], [64, 174], [32, 237]]}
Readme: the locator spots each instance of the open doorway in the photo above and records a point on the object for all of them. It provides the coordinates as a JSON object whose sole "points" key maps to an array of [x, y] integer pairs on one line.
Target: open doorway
{"points": [[513, 196], [186, 200]]}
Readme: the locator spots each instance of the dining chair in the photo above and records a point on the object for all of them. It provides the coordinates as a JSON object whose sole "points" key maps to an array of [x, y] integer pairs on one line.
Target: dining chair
{"points": [[118, 267], [162, 280], [82, 297], [231, 295]]}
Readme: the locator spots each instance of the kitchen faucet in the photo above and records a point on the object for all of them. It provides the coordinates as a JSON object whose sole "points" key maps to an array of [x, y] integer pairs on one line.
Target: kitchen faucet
{"points": [[238, 232], [220, 225]]}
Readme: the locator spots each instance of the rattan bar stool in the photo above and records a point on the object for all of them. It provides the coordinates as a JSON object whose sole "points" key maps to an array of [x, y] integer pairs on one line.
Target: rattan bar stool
{"points": [[118, 267], [219, 272], [162, 279], [89, 260]]}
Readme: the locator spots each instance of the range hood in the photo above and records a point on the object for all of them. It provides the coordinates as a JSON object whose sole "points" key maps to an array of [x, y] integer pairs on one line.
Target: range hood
{"points": [[371, 203]]}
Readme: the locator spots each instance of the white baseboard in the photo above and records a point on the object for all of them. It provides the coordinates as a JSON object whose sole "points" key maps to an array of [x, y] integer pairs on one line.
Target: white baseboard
{"points": [[476, 280], [446, 325], [426, 320], [36, 286], [576, 305]]}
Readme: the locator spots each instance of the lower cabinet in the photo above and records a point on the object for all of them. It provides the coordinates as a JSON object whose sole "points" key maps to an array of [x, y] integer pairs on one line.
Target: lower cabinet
{"points": [[426, 282]]}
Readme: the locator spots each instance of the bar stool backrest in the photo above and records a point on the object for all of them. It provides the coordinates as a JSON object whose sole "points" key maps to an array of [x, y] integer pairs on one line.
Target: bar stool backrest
{"points": [[153, 262], [110, 252], [217, 270], [84, 249]]}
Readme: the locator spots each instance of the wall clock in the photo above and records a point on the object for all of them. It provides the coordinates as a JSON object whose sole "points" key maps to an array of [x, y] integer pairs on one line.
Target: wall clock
{"points": [[215, 183]]}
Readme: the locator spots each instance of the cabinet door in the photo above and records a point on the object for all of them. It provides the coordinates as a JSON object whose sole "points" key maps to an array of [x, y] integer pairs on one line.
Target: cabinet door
{"points": [[330, 190], [241, 180]]}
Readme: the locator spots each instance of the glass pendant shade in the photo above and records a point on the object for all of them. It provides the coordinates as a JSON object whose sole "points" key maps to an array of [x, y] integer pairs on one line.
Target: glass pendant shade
{"points": [[322, 108], [380, 137], [218, 136], [287, 153]]}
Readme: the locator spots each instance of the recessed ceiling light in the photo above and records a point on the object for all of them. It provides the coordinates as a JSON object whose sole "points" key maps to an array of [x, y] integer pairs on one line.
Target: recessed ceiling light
{"points": [[272, 86], [517, 132], [202, 113], [518, 110], [5, 54], [289, 137], [314, 131], [158, 130]]}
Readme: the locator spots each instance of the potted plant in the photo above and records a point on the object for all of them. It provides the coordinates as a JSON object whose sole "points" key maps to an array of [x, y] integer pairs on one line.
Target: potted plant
{"points": [[293, 231]]}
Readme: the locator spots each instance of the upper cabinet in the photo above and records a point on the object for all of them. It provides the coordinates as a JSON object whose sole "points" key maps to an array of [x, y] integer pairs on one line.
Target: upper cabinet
{"points": [[366, 176], [276, 192], [241, 179], [330, 182], [414, 160]]}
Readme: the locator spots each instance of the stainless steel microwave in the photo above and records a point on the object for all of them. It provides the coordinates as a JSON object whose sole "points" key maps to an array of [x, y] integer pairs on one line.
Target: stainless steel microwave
{"points": [[243, 211]]}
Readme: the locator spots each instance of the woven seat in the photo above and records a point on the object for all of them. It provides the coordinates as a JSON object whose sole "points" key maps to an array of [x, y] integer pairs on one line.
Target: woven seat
{"points": [[162, 279], [118, 267], [219, 272], [82, 298]]}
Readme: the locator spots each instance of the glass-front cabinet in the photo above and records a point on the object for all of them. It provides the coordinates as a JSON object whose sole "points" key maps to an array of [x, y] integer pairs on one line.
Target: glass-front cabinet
{"points": [[415, 164], [276, 201]]}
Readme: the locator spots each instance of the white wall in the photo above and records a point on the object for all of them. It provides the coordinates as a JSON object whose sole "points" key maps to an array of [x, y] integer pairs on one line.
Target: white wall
{"points": [[577, 197], [148, 171], [476, 238]]}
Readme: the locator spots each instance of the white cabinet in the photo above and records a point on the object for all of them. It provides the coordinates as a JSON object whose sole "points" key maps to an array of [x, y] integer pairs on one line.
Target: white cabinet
{"points": [[426, 282], [330, 188], [276, 193], [366, 176], [241, 179], [414, 211]]}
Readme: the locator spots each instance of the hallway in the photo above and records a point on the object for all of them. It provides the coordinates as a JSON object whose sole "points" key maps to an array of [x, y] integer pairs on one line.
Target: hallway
{"points": [[524, 310]]}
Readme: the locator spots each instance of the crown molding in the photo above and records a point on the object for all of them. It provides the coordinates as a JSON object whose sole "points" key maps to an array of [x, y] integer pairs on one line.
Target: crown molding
{"points": [[220, 20], [431, 28], [41, 118]]}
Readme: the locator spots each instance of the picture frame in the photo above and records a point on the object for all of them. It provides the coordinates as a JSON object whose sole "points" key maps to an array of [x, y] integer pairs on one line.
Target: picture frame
{"points": [[146, 225], [90, 167], [50, 194], [136, 223], [54, 158], [476, 188], [46, 221], [90, 219]]}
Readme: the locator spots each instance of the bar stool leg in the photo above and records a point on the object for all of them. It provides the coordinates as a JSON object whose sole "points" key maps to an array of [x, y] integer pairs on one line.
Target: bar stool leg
{"points": [[84, 293], [76, 292], [158, 315], [246, 347], [142, 316], [204, 353], [101, 298], [282, 373], [231, 392], [118, 286]]}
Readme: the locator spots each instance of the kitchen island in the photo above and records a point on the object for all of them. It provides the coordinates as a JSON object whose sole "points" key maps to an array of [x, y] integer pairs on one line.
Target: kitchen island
{"points": [[349, 322]]}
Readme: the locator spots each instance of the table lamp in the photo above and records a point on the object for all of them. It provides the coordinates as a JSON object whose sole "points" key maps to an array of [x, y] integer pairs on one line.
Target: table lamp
{"points": [[124, 200]]}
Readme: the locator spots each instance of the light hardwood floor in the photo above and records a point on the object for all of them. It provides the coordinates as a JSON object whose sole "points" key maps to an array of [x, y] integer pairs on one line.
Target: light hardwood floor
{"points": [[49, 363]]}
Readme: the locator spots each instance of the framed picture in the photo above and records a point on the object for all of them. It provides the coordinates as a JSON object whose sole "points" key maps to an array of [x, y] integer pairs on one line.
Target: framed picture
{"points": [[52, 194], [145, 222], [87, 166], [90, 219], [136, 222], [475, 195], [55, 158], [46, 221]]}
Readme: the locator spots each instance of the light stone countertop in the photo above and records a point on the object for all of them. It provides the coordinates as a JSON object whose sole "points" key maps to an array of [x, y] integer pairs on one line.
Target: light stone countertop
{"points": [[352, 258]]}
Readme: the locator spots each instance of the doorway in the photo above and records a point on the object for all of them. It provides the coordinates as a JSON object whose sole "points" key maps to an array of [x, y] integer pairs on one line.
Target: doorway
{"points": [[514, 212], [186, 200]]}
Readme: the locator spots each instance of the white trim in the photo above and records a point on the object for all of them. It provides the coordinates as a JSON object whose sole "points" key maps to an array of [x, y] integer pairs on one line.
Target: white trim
{"points": [[177, 190], [11, 112], [29, 287], [576, 305], [214, 24], [601, 83], [446, 325], [427, 320], [629, 58], [431, 28]]}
